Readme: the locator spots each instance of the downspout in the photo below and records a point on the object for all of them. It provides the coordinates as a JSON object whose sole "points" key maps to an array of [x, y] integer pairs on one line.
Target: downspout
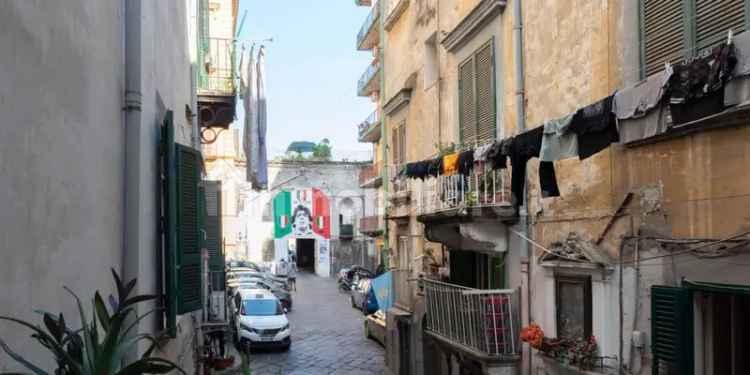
{"points": [[383, 135], [521, 121], [133, 155]]}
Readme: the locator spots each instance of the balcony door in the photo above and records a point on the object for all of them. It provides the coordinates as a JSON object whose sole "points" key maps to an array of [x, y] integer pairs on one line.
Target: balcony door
{"points": [[472, 269]]}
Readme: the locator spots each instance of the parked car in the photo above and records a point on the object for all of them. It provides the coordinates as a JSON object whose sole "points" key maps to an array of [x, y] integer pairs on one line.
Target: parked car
{"points": [[375, 327], [260, 320], [363, 297], [282, 294]]}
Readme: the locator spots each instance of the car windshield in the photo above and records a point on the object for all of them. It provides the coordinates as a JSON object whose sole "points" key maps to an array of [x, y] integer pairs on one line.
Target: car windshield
{"points": [[261, 307]]}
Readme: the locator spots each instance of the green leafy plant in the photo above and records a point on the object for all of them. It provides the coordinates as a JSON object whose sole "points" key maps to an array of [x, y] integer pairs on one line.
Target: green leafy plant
{"points": [[101, 345]]}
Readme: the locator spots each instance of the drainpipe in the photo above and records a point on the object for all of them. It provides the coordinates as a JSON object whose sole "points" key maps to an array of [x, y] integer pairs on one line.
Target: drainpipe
{"points": [[133, 153], [383, 135], [521, 121]]}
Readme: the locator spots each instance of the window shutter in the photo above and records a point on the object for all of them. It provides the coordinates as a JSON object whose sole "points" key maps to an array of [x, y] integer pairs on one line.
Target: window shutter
{"points": [[485, 94], [395, 146], [467, 102], [672, 330], [189, 224], [169, 214], [664, 33], [715, 17], [214, 235]]}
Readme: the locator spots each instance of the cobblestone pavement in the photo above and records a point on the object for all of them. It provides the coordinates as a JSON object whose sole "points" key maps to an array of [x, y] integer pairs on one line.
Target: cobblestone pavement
{"points": [[327, 336]]}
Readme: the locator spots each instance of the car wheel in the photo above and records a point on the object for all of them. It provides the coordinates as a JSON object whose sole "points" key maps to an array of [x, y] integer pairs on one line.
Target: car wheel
{"points": [[287, 346]]}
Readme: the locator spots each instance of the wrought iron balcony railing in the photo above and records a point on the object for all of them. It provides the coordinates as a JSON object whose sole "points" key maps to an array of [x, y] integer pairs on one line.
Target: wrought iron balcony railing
{"points": [[367, 131], [489, 188], [368, 35], [367, 83], [484, 321], [216, 74]]}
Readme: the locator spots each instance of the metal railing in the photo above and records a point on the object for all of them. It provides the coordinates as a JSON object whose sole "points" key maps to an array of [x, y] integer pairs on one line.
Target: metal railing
{"points": [[365, 126], [480, 189], [367, 77], [371, 224], [369, 173], [403, 294], [483, 320], [217, 71], [368, 25]]}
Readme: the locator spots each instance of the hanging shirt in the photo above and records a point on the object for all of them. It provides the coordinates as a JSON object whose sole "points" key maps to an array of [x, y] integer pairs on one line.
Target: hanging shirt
{"points": [[465, 162], [595, 127], [635, 129], [480, 153], [557, 142], [636, 101], [450, 164], [498, 154], [435, 167]]}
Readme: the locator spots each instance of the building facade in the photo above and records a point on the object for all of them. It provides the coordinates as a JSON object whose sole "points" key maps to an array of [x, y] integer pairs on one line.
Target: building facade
{"points": [[634, 229]]}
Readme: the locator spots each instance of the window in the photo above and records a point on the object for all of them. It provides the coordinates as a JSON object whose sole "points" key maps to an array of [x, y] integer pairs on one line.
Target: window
{"points": [[476, 91], [672, 30], [398, 136], [573, 303]]}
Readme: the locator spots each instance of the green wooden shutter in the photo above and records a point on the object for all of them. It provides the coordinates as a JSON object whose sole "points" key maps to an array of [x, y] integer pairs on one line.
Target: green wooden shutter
{"points": [[189, 224], [671, 331], [485, 91], [402, 142], [169, 229], [214, 235], [663, 33], [714, 18], [467, 102]]}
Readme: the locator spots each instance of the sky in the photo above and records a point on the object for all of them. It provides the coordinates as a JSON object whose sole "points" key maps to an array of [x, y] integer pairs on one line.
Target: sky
{"points": [[312, 68]]}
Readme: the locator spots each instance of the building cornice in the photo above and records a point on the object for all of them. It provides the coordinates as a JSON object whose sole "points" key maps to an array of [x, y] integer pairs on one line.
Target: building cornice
{"points": [[472, 23], [397, 102]]}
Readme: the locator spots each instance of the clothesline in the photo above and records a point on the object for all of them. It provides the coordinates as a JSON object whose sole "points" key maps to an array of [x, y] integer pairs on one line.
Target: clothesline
{"points": [[592, 128]]}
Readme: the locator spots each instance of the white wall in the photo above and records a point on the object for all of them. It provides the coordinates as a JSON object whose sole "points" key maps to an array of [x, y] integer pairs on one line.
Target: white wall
{"points": [[62, 153]]}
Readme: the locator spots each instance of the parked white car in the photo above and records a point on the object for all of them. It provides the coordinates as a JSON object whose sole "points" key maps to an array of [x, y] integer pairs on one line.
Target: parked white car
{"points": [[260, 320]]}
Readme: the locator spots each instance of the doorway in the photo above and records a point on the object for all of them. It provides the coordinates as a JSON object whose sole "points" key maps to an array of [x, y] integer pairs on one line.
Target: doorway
{"points": [[306, 254]]}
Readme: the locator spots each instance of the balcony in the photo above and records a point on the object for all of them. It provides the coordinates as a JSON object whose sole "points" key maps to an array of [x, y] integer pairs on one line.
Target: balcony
{"points": [[371, 225], [216, 82], [369, 130], [369, 35], [370, 176], [483, 194], [393, 10], [481, 323], [369, 82]]}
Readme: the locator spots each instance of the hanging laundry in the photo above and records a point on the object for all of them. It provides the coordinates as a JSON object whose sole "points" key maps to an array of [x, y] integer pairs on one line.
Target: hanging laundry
{"points": [[498, 153], [416, 170], [522, 148], [480, 153], [466, 162], [696, 88], [557, 142], [636, 101], [737, 90], [654, 123], [435, 167], [595, 127], [450, 164]]}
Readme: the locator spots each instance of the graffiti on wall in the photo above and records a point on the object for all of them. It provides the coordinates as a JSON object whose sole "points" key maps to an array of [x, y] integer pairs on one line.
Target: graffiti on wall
{"points": [[303, 213]]}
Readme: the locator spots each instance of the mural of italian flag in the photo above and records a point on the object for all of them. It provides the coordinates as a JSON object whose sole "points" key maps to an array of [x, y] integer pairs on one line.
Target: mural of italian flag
{"points": [[303, 213]]}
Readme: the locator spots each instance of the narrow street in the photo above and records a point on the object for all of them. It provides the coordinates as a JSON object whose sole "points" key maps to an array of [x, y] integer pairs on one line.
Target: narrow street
{"points": [[327, 336]]}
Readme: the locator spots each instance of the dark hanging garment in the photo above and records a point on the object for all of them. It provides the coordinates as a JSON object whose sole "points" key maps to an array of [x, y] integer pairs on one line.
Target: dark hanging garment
{"points": [[435, 167], [595, 127], [696, 89], [416, 170], [496, 158], [522, 148], [465, 162]]}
